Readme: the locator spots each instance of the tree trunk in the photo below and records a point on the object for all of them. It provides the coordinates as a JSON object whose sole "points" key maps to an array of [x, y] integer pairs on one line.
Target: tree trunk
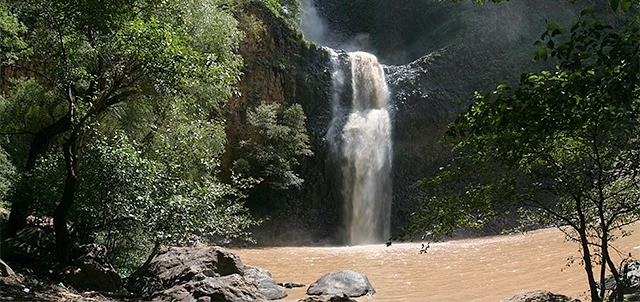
{"points": [[586, 253], [61, 213], [20, 208]]}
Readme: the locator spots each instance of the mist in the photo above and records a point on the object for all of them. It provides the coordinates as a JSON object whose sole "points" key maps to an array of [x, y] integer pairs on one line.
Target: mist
{"points": [[312, 25]]}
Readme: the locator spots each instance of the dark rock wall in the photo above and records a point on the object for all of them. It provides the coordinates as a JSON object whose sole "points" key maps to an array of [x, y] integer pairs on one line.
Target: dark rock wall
{"points": [[280, 67], [442, 53], [438, 53]]}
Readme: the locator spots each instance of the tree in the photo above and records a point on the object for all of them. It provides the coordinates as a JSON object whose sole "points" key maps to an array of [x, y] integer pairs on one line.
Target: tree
{"points": [[560, 149], [98, 56], [275, 143]]}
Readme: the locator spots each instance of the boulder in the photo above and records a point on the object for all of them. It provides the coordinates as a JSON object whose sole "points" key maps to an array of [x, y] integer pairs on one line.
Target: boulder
{"points": [[349, 283], [178, 265], [540, 296], [29, 246], [265, 283], [200, 273], [231, 288], [91, 270]]}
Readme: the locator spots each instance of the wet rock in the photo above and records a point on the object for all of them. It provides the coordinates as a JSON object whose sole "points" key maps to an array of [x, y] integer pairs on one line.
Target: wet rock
{"points": [[91, 270], [540, 296], [349, 283], [265, 283], [201, 273]]}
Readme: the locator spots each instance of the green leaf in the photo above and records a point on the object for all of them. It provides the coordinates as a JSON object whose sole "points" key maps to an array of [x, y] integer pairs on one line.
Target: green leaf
{"points": [[587, 11], [553, 26], [503, 86]]}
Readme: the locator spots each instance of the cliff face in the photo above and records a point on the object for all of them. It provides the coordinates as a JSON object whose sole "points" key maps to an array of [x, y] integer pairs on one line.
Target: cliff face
{"points": [[438, 54], [442, 53], [280, 67]]}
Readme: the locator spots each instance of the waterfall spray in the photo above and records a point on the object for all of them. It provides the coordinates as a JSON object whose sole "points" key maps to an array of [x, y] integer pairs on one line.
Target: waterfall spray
{"points": [[365, 149]]}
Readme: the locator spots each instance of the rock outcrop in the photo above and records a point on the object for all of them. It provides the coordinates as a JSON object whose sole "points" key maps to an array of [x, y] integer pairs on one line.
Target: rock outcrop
{"points": [[202, 273], [230, 288], [91, 270], [340, 283], [266, 285], [540, 296], [31, 245]]}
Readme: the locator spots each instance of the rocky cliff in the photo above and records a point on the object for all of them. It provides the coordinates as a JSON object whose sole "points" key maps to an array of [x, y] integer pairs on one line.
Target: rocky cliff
{"points": [[437, 55], [281, 67]]}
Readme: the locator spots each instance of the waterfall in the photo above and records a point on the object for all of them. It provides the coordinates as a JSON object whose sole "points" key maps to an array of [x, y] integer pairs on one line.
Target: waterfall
{"points": [[360, 134]]}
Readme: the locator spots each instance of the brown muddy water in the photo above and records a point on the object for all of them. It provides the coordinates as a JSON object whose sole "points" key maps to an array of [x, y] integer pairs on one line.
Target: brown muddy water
{"points": [[485, 269]]}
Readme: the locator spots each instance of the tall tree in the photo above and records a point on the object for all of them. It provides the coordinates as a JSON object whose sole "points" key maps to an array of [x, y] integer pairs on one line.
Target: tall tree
{"points": [[99, 55]]}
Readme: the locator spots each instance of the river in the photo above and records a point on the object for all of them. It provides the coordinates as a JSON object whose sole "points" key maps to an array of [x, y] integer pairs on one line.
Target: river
{"points": [[484, 269]]}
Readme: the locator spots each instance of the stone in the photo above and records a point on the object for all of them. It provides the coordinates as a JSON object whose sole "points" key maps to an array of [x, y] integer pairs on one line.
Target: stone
{"points": [[265, 283], [5, 270], [345, 282], [178, 265], [201, 273], [230, 288], [91, 270], [328, 299], [30, 245], [292, 285], [631, 272], [540, 296]]}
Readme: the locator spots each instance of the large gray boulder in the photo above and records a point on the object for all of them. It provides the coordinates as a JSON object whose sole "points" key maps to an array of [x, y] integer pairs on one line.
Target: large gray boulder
{"points": [[201, 273], [265, 282], [346, 282], [231, 288], [540, 296]]}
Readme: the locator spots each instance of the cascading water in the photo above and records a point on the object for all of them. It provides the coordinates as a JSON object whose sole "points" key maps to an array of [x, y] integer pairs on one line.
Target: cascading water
{"points": [[364, 145]]}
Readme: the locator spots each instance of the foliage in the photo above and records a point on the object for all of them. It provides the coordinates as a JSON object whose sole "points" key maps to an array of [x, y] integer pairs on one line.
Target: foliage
{"points": [[130, 203], [7, 174], [149, 76], [276, 142], [561, 148], [288, 10], [29, 106], [145, 205], [11, 29]]}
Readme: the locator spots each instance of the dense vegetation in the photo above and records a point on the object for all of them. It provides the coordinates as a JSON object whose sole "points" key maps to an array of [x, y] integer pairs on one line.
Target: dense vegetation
{"points": [[112, 127], [558, 149]]}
